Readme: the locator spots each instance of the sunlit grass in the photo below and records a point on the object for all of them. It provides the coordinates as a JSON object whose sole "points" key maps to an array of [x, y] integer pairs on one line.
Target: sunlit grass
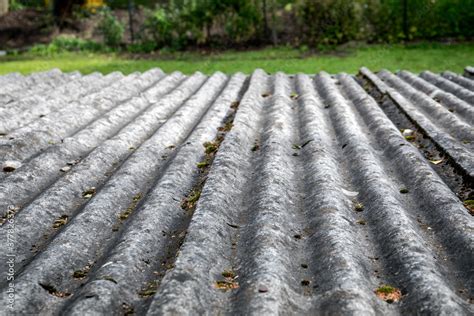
{"points": [[435, 57]]}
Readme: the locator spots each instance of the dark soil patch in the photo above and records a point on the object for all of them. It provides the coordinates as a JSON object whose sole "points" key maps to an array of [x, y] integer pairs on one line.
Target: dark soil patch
{"points": [[24, 27]]}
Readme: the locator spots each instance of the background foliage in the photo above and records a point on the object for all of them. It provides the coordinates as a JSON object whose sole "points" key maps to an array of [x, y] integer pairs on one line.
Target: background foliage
{"points": [[180, 24]]}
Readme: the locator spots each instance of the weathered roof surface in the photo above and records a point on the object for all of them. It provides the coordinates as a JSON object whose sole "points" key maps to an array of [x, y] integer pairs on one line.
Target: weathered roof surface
{"points": [[469, 72], [263, 194]]}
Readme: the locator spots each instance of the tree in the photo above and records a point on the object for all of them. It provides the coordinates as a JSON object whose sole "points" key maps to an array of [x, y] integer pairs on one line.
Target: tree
{"points": [[3, 7], [62, 9]]}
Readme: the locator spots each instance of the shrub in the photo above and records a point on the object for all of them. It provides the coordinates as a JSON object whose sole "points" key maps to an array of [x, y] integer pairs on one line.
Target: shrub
{"points": [[111, 28], [427, 19], [71, 43], [171, 25], [161, 24], [181, 23], [322, 24], [16, 5], [67, 44], [242, 20], [328, 22], [142, 47]]}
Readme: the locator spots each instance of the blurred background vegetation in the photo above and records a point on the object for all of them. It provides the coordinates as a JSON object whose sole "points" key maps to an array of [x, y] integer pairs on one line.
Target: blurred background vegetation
{"points": [[157, 28]]}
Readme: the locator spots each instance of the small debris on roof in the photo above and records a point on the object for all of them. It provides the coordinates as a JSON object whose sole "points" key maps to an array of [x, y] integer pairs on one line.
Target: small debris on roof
{"points": [[436, 161], [229, 282], [348, 193], [358, 207], [404, 190], [88, 193], [82, 273], [73, 162], [61, 221], [305, 282], [65, 169], [407, 132], [388, 293], [211, 147], [469, 204], [202, 164], [234, 105], [256, 146], [149, 290], [10, 165], [127, 309], [53, 291]]}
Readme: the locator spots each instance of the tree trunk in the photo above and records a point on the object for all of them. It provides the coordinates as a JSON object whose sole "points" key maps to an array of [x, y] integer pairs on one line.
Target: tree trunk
{"points": [[405, 19], [130, 20], [274, 24], [62, 9], [265, 21], [3, 7]]}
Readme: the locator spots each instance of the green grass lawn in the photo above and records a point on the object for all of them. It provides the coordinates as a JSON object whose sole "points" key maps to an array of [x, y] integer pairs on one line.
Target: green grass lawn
{"points": [[415, 57]]}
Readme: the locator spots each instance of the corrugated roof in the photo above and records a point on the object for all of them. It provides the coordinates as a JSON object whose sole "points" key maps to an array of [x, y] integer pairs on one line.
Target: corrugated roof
{"points": [[165, 193]]}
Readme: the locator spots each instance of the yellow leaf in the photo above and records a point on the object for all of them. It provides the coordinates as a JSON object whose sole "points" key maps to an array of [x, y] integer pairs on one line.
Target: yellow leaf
{"points": [[436, 162]]}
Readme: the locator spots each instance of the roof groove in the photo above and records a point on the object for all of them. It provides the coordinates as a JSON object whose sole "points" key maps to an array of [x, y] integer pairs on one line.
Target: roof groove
{"points": [[354, 268], [448, 170], [424, 182], [338, 242], [26, 110], [275, 216], [460, 80], [431, 109], [458, 152], [143, 241], [303, 264], [460, 108], [403, 244], [449, 86], [99, 164], [135, 176], [30, 140], [11, 77], [32, 84], [221, 204], [469, 72], [46, 167]]}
